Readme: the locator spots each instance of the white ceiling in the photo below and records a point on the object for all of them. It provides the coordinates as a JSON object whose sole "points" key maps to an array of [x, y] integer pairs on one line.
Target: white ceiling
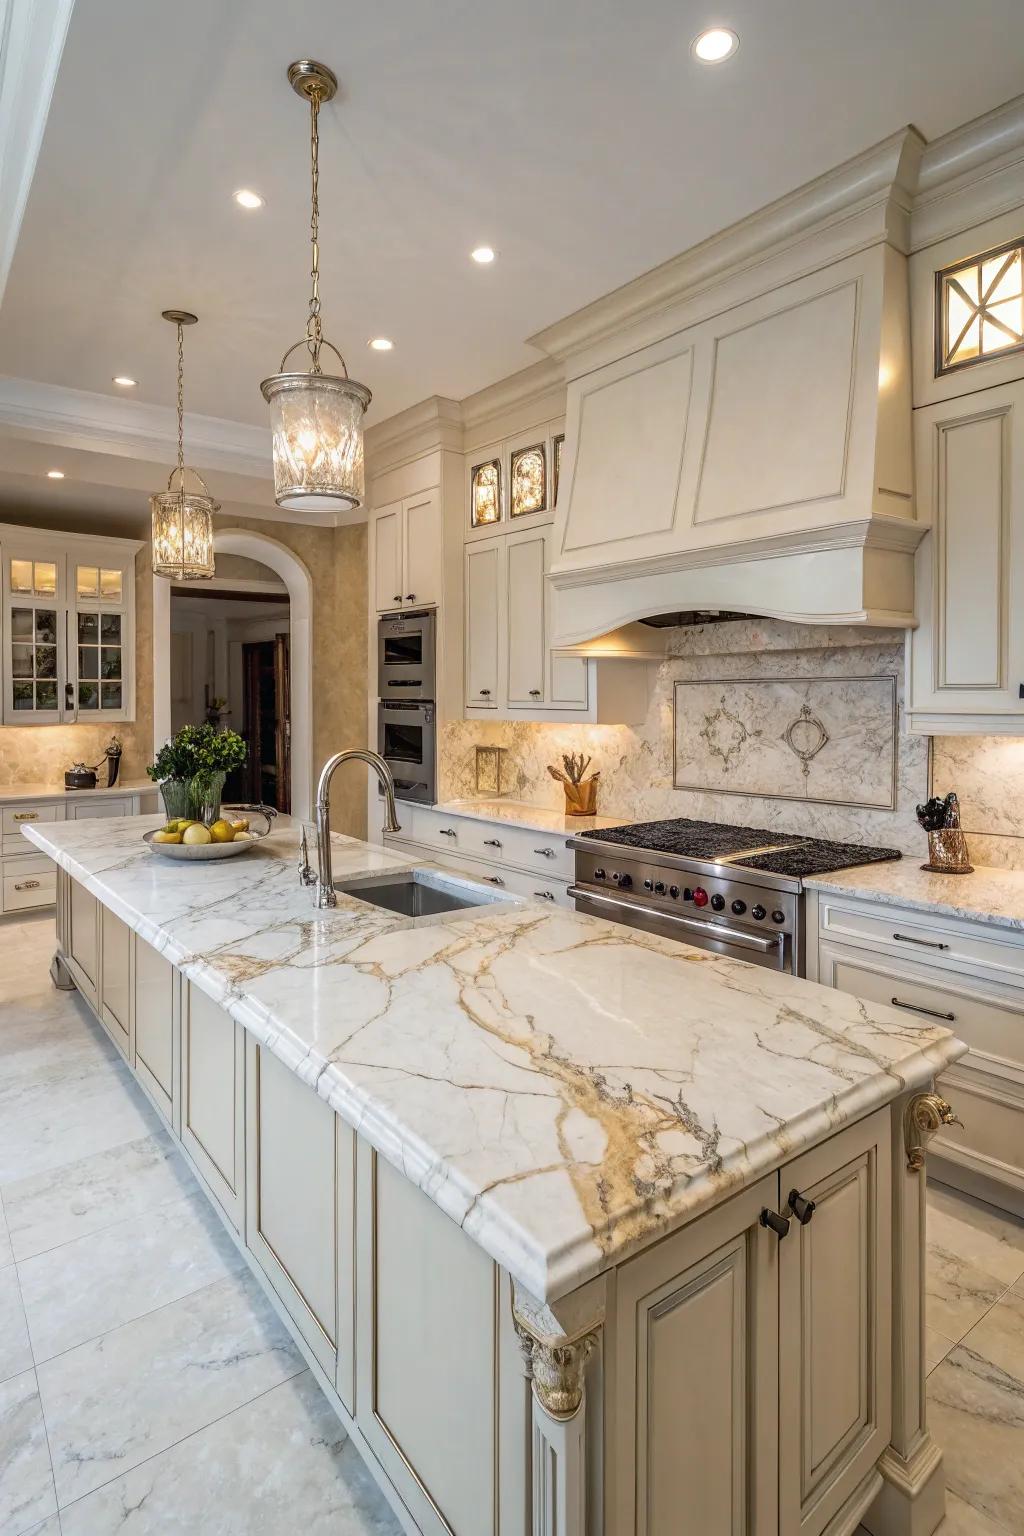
{"points": [[580, 139]]}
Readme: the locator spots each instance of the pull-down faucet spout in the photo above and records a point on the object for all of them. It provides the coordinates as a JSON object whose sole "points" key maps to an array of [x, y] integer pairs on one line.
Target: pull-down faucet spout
{"points": [[325, 892]]}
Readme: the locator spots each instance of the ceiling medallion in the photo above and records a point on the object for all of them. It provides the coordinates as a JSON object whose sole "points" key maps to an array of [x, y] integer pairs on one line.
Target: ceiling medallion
{"points": [[316, 417], [182, 520]]}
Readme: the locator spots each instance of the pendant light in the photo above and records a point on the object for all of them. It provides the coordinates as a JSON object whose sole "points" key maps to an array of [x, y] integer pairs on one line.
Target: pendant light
{"points": [[182, 520], [317, 417]]}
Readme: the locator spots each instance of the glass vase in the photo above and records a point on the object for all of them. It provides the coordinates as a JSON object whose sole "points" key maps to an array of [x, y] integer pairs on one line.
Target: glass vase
{"points": [[204, 798], [175, 798]]}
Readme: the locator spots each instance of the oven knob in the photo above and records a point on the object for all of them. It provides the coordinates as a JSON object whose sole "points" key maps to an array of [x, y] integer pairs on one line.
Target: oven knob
{"points": [[622, 881], [700, 897], [778, 917], [648, 885], [758, 912], [659, 887], [673, 891], [598, 874], [739, 907], [717, 903]]}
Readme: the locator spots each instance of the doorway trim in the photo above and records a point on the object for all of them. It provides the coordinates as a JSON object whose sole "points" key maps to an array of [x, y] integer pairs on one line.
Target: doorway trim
{"points": [[295, 575]]}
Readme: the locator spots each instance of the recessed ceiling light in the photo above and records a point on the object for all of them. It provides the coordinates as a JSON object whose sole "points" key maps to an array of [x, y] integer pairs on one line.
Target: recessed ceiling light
{"points": [[55, 474], [123, 381], [483, 254], [246, 199], [381, 344], [715, 45]]}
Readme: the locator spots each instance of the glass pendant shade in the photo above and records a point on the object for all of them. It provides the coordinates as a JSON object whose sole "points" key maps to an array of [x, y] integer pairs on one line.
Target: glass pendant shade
{"points": [[183, 534], [317, 426]]}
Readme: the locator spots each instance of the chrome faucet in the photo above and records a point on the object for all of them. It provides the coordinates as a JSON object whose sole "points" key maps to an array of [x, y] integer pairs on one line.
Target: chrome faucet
{"points": [[325, 892]]}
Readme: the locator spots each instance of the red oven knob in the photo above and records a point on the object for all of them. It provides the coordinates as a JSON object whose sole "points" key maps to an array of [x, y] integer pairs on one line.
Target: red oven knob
{"points": [[700, 897]]}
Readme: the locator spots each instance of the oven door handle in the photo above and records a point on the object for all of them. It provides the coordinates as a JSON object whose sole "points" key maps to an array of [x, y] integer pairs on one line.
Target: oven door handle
{"points": [[763, 945]]}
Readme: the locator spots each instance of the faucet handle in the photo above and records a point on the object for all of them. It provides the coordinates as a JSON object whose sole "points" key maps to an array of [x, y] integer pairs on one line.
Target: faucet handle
{"points": [[306, 875]]}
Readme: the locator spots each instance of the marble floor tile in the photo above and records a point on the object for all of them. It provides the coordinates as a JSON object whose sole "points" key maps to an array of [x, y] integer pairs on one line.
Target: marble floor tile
{"points": [[992, 1239], [26, 1481], [120, 1399], [999, 1338], [976, 1413], [281, 1464], [49, 1527], [15, 1352], [95, 1192], [936, 1348], [96, 1283], [104, 1110], [6, 1251], [958, 1292]]}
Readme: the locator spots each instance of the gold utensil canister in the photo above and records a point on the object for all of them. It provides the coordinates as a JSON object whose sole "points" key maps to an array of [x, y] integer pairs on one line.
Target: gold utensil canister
{"points": [[947, 852]]}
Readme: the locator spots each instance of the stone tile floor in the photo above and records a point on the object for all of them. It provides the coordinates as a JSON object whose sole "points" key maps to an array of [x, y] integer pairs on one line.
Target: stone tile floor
{"points": [[147, 1387]]}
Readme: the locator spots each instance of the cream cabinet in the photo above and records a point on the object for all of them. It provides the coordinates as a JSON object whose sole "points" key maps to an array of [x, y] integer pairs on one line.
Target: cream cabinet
{"points": [[301, 1209], [407, 552], [82, 939], [117, 982], [483, 623], [67, 622], [213, 1099], [157, 1043], [967, 655]]}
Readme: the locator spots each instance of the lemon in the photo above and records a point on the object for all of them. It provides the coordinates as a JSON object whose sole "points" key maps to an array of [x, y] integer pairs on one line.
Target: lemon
{"points": [[241, 825], [222, 832], [196, 834], [242, 837], [167, 835]]}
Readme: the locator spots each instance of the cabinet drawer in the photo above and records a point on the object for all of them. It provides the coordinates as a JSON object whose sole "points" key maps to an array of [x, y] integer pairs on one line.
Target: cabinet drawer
{"points": [[546, 889], [459, 833], [89, 810], [14, 817], [26, 862], [916, 936], [29, 890], [545, 852]]}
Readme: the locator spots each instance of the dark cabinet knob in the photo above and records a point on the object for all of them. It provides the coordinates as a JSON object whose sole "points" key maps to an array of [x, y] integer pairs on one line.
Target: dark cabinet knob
{"points": [[534, 693], [397, 597], [485, 693], [802, 1208], [775, 1223], [410, 597]]}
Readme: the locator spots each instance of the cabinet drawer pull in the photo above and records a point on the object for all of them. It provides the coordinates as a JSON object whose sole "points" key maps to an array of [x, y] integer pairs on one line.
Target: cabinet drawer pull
{"points": [[802, 1208], [775, 1223], [28, 885], [485, 693], [492, 842], [26, 815], [446, 832], [544, 895], [534, 693], [547, 853], [932, 1013], [906, 938], [494, 880], [410, 597], [397, 597]]}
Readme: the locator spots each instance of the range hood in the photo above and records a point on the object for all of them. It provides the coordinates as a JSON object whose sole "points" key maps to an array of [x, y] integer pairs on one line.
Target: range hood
{"points": [[738, 426]]}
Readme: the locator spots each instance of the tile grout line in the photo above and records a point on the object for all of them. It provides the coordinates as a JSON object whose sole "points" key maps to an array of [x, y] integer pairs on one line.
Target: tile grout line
{"points": [[39, 1396]]}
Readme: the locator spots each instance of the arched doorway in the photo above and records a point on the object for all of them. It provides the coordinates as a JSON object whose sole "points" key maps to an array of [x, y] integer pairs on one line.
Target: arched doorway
{"points": [[293, 573]]}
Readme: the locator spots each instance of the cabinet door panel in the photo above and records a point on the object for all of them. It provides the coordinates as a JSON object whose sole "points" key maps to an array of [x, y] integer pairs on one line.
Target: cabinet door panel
{"points": [[83, 925], [421, 516], [525, 562], [483, 568], [834, 1325], [691, 1427], [212, 1099], [154, 1024], [387, 557], [116, 974]]}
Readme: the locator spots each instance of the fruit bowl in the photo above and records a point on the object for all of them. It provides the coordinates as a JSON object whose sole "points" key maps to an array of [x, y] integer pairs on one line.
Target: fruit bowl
{"points": [[199, 853]]}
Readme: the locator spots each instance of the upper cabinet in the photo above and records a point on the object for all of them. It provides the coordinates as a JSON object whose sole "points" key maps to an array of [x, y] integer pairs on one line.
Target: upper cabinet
{"points": [[67, 626], [407, 552], [514, 481]]}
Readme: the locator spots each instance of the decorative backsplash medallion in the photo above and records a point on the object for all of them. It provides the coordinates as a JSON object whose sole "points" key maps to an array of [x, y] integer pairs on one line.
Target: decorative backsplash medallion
{"points": [[827, 739]]}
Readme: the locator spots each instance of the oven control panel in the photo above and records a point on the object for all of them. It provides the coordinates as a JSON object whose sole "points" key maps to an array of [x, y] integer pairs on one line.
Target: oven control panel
{"points": [[730, 900]]}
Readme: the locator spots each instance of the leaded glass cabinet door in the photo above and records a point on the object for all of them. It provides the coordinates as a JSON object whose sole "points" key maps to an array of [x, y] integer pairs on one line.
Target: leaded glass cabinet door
{"points": [[99, 649], [34, 609]]}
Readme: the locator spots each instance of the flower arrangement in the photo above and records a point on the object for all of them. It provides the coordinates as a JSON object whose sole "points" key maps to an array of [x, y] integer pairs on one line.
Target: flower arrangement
{"points": [[191, 768]]}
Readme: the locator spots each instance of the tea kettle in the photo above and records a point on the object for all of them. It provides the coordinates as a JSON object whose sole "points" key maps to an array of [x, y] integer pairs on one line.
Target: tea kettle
{"points": [[80, 776]]}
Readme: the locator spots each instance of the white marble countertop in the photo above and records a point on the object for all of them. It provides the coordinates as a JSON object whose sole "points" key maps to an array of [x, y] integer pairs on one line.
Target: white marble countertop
{"points": [[535, 818], [9, 792], [988, 895], [565, 1088]]}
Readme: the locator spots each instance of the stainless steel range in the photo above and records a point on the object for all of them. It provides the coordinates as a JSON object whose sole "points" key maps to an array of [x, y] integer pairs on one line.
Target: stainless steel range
{"points": [[735, 890]]}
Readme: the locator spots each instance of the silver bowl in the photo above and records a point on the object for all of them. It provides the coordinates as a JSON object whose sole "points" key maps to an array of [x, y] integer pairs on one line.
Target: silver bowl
{"points": [[199, 853]]}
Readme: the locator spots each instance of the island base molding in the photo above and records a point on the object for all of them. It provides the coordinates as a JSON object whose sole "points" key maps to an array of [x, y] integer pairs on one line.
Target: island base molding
{"points": [[912, 1500]]}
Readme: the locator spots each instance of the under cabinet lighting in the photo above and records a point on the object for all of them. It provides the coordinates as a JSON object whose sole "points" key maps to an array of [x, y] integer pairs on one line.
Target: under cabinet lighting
{"points": [[715, 45], [246, 199]]}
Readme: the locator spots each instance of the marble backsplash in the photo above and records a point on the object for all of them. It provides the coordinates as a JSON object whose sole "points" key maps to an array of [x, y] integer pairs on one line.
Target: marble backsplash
{"points": [[636, 763], [987, 773]]}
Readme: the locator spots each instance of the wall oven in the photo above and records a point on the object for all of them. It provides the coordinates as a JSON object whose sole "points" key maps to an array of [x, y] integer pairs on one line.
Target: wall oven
{"points": [[407, 741], [406, 656]]}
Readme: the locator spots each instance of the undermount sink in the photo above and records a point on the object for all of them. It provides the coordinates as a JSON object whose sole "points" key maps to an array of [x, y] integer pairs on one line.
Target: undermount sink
{"points": [[417, 893]]}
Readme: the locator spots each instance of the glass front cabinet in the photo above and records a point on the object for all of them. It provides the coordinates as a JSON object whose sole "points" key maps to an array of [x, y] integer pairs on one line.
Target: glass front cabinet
{"points": [[67, 627]]}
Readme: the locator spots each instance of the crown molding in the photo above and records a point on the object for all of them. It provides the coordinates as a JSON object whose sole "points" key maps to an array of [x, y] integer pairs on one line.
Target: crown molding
{"points": [[432, 423], [970, 175], [540, 387], [32, 34], [78, 418], [865, 200]]}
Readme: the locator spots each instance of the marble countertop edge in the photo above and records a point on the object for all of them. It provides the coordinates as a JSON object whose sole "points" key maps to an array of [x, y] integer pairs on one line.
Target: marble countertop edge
{"points": [[988, 895]]}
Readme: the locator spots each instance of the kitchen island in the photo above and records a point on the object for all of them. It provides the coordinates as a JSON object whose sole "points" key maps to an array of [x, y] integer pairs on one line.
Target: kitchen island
{"points": [[513, 1147]]}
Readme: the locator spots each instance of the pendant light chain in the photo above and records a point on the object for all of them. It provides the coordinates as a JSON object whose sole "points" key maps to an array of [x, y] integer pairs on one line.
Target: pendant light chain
{"points": [[314, 333], [181, 444]]}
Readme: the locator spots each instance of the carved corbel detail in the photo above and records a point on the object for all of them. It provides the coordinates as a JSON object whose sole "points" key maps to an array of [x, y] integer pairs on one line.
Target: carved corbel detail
{"points": [[925, 1114], [555, 1366]]}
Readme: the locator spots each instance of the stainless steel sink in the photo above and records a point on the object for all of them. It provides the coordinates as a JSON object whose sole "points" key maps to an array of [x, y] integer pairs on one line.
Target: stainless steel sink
{"points": [[417, 893]]}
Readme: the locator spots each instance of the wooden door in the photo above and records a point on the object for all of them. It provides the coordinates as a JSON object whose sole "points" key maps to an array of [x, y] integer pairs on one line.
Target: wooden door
{"points": [[283, 722], [835, 1289], [387, 558], [213, 1098], [266, 728], [691, 1424], [116, 980], [483, 621], [525, 561], [421, 517]]}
